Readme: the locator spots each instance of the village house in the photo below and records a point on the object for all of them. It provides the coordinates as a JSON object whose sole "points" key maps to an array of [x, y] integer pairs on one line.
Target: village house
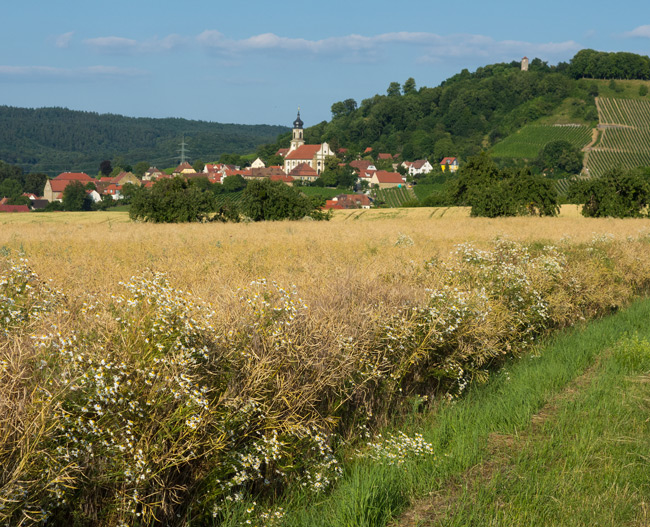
{"points": [[151, 173], [54, 187], [349, 201], [304, 172], [420, 166], [450, 162], [299, 153], [126, 177], [258, 163], [384, 179], [184, 168]]}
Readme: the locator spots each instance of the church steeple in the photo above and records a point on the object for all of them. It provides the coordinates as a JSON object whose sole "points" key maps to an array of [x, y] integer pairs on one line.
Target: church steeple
{"points": [[297, 139], [298, 122]]}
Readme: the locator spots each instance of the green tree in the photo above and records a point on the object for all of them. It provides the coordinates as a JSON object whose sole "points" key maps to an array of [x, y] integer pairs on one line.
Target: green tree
{"points": [[75, 197], [394, 89], [616, 194], [140, 168], [172, 201], [35, 183], [409, 86], [267, 200], [198, 165], [643, 90], [559, 158], [234, 183], [10, 188]]}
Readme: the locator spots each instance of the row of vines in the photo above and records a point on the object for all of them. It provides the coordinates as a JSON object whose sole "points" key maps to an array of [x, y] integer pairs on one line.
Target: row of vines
{"points": [[625, 136], [531, 139]]}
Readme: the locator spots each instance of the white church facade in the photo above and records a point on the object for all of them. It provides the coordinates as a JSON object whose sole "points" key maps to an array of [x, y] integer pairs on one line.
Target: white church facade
{"points": [[299, 152]]}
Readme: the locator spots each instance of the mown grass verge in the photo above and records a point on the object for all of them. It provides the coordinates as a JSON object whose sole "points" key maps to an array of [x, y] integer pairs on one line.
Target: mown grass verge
{"points": [[587, 466]]}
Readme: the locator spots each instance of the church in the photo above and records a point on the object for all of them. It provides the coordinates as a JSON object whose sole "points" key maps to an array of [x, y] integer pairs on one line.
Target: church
{"points": [[300, 153]]}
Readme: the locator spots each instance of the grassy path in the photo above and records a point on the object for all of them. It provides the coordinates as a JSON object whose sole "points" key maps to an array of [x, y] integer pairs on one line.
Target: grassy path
{"points": [[557, 439]]}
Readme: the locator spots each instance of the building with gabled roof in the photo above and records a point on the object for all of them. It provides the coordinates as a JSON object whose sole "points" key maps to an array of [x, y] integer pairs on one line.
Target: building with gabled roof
{"points": [[54, 188], [304, 172], [450, 162], [184, 168], [299, 153], [74, 176], [385, 179], [286, 179], [419, 166]]}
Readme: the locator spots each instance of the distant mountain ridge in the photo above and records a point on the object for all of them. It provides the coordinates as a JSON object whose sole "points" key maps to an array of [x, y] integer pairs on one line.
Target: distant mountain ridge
{"points": [[53, 140]]}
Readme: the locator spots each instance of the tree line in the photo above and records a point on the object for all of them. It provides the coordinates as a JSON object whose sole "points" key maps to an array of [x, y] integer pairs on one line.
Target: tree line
{"points": [[54, 140]]}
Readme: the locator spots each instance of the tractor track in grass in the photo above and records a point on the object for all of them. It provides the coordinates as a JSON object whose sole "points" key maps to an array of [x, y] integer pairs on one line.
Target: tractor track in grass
{"points": [[501, 450]]}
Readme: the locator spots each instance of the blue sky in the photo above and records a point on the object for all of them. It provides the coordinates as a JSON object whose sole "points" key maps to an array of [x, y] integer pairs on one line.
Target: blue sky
{"points": [[256, 61]]}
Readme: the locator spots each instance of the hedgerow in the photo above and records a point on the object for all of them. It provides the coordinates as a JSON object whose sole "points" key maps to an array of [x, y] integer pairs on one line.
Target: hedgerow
{"points": [[152, 407]]}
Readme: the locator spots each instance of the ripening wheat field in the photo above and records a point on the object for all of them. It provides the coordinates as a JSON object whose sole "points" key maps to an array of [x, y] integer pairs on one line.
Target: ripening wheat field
{"points": [[194, 374], [94, 251]]}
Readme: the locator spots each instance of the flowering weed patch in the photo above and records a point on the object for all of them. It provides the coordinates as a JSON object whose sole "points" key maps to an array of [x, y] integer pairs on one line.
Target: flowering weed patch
{"points": [[153, 407]]}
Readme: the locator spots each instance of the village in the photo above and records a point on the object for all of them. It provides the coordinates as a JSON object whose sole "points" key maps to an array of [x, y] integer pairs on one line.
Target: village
{"points": [[303, 164]]}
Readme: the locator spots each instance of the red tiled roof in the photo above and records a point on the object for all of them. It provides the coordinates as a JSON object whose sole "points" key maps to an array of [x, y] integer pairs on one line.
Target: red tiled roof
{"points": [[384, 176], [282, 152], [353, 200], [14, 208], [367, 150], [304, 152], [360, 164], [58, 185], [343, 150], [183, 166], [285, 178], [76, 176], [384, 156], [331, 204], [447, 160], [419, 163], [30, 195], [303, 170]]}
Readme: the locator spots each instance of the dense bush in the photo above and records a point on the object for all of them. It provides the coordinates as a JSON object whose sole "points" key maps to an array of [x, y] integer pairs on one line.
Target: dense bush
{"points": [[492, 192], [172, 201], [273, 200], [616, 194]]}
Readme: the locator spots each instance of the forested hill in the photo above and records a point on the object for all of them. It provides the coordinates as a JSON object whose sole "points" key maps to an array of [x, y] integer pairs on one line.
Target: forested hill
{"points": [[53, 140], [470, 112]]}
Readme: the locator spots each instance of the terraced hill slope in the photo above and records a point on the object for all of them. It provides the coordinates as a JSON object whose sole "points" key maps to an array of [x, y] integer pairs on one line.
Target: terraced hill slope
{"points": [[624, 136], [528, 141]]}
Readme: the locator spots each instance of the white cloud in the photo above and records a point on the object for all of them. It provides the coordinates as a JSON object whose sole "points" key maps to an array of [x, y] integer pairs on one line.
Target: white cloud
{"points": [[128, 46], [641, 31], [430, 46], [35, 73], [63, 41]]}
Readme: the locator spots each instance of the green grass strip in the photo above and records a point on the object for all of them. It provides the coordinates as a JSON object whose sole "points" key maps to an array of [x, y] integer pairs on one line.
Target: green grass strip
{"points": [[371, 494]]}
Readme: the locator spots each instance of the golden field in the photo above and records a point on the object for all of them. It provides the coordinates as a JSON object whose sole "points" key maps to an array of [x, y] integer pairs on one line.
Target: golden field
{"points": [[137, 403], [94, 251]]}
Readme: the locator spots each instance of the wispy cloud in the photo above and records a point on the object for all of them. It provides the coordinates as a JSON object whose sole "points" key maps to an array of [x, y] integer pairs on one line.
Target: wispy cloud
{"points": [[63, 41], [430, 46], [639, 32], [128, 46], [90, 73]]}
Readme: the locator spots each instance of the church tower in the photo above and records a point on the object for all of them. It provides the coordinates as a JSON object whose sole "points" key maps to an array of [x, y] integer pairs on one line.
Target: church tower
{"points": [[524, 64], [297, 139]]}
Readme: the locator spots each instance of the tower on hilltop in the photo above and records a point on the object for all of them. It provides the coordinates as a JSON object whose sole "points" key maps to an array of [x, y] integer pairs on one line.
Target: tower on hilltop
{"points": [[297, 140], [524, 64]]}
